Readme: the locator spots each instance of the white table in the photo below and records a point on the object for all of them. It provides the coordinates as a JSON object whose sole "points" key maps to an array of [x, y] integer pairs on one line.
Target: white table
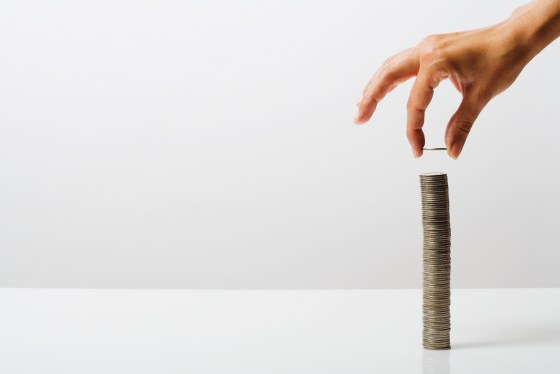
{"points": [[220, 331]]}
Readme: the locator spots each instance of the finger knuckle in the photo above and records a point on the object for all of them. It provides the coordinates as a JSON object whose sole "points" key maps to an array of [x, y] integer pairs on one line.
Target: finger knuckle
{"points": [[431, 39], [389, 61], [410, 105], [413, 106], [431, 49], [432, 55], [464, 126], [387, 66]]}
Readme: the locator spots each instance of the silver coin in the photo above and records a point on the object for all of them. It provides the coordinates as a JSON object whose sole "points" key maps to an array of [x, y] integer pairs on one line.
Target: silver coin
{"points": [[436, 261]]}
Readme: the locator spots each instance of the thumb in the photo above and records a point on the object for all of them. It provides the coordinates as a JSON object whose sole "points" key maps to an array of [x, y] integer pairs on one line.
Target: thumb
{"points": [[461, 123]]}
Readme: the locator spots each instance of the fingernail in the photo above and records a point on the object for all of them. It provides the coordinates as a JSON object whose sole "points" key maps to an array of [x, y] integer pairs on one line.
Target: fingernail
{"points": [[455, 149], [357, 118], [416, 153]]}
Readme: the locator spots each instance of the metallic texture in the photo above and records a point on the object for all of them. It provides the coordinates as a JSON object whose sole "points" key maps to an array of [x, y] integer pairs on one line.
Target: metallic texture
{"points": [[437, 260]]}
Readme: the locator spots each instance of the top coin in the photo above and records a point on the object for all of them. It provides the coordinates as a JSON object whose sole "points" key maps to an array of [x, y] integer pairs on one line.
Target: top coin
{"points": [[433, 174]]}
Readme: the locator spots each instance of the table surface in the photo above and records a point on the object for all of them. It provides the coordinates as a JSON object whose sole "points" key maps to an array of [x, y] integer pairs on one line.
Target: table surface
{"points": [[273, 331]]}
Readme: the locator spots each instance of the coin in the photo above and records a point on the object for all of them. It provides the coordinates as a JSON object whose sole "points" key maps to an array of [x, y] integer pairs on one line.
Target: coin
{"points": [[436, 260]]}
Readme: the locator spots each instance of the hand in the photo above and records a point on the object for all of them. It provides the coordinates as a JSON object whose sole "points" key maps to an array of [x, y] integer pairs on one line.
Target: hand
{"points": [[480, 64]]}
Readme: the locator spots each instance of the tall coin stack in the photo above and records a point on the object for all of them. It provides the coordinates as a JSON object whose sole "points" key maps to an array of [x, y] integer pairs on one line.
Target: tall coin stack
{"points": [[437, 260]]}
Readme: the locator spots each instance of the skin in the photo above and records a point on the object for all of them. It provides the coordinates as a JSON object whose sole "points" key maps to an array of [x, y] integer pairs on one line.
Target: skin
{"points": [[480, 63]]}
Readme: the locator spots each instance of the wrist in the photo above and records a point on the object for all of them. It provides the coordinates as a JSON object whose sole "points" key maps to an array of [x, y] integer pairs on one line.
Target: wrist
{"points": [[532, 27]]}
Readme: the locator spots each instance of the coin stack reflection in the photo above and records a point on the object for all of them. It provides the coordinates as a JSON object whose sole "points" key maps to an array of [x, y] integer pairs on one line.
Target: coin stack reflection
{"points": [[437, 260]]}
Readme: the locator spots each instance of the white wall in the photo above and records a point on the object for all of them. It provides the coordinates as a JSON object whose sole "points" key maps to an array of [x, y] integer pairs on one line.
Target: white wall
{"points": [[210, 144]]}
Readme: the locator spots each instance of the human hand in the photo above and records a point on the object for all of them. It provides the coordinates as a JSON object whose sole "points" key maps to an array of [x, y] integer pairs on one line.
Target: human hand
{"points": [[480, 63]]}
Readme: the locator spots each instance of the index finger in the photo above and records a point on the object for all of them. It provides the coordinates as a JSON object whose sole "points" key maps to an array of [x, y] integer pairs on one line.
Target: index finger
{"points": [[394, 71]]}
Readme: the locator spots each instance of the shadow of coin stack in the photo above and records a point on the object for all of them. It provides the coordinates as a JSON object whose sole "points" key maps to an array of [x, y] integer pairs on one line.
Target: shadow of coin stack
{"points": [[437, 260]]}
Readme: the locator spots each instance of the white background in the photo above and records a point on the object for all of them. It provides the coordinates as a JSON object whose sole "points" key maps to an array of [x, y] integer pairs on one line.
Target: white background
{"points": [[170, 144]]}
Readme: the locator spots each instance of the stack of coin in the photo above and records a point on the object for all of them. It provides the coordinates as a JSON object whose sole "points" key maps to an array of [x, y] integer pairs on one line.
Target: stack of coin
{"points": [[437, 260]]}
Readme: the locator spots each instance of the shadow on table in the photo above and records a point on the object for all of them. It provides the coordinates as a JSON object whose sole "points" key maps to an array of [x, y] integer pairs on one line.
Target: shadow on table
{"points": [[518, 336]]}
